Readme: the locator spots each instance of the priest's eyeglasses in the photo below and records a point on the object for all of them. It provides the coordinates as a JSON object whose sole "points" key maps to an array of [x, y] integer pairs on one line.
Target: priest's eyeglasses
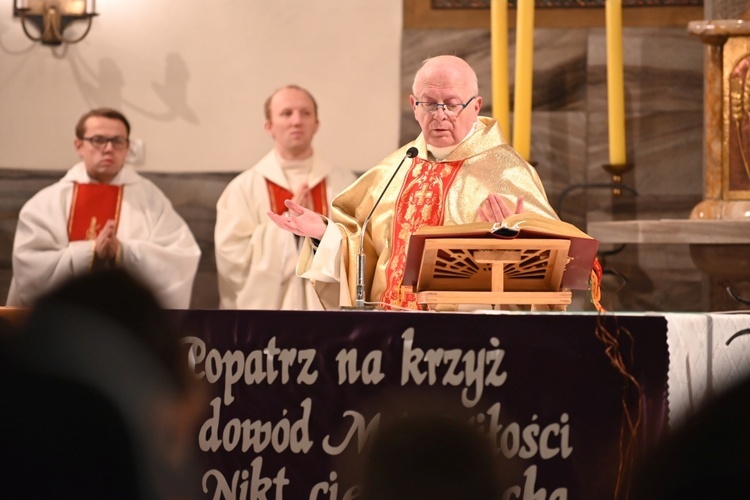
{"points": [[448, 108], [100, 142]]}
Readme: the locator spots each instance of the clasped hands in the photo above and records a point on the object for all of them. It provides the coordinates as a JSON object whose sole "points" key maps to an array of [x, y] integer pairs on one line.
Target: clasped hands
{"points": [[303, 221], [106, 243]]}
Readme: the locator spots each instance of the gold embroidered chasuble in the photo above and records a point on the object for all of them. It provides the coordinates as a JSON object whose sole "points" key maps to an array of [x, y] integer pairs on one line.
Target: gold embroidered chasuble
{"points": [[431, 192]]}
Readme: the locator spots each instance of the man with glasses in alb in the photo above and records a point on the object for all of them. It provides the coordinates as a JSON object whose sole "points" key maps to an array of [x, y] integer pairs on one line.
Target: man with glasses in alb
{"points": [[464, 172], [102, 214]]}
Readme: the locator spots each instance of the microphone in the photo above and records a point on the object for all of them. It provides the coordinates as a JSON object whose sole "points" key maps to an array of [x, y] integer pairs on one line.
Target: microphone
{"points": [[359, 301]]}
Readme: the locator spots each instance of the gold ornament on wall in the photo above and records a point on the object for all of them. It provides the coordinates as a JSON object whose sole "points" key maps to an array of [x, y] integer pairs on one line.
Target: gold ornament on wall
{"points": [[51, 18], [739, 125]]}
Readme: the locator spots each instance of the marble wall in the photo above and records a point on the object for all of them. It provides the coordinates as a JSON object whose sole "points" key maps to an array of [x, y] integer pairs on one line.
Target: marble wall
{"points": [[664, 101]]}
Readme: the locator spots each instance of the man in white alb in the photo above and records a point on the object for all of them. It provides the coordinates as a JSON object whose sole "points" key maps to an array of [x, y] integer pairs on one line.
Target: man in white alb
{"points": [[255, 259], [103, 214]]}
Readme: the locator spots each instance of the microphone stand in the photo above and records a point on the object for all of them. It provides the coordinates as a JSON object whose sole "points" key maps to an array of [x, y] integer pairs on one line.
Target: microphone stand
{"points": [[359, 298]]}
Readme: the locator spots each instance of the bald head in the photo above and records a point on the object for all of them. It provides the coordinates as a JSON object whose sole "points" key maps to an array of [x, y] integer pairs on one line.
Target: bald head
{"points": [[445, 68], [451, 83]]}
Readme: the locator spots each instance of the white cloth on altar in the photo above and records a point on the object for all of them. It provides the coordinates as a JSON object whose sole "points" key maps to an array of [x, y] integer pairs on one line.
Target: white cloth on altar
{"points": [[701, 363]]}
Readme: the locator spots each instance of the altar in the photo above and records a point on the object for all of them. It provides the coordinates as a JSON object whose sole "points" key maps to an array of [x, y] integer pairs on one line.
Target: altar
{"points": [[296, 395]]}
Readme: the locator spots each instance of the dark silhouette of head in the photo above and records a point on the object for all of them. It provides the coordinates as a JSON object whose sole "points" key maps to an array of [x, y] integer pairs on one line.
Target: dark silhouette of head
{"points": [[98, 401], [430, 457], [705, 457]]}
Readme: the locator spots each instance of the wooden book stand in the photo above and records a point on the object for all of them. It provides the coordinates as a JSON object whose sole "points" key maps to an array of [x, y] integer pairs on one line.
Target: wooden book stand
{"points": [[491, 271]]}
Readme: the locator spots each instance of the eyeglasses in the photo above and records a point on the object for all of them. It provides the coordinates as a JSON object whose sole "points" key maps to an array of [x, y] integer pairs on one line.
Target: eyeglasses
{"points": [[452, 108], [100, 142]]}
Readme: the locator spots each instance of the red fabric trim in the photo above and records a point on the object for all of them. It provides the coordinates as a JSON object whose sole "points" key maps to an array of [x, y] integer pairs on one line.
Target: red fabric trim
{"points": [[421, 202], [91, 206], [277, 195], [320, 198]]}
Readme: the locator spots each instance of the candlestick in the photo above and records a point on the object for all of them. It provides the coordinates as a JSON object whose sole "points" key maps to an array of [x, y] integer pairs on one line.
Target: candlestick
{"points": [[617, 170], [615, 83], [523, 79], [500, 82]]}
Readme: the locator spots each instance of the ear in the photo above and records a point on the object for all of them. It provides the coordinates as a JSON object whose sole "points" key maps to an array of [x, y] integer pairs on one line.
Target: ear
{"points": [[78, 144], [267, 127], [477, 103], [413, 102]]}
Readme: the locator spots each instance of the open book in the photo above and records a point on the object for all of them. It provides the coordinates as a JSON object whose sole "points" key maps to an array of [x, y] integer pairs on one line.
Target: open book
{"points": [[581, 253]]}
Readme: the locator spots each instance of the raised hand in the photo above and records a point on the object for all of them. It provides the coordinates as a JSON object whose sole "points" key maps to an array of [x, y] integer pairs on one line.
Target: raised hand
{"points": [[495, 209], [300, 221]]}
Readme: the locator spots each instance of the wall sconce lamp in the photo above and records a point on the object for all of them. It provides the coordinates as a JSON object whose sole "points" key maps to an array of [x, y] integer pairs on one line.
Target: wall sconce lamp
{"points": [[51, 17]]}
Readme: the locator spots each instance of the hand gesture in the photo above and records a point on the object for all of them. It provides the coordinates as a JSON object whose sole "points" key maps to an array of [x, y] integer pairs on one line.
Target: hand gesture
{"points": [[106, 243], [495, 209], [300, 221], [302, 197]]}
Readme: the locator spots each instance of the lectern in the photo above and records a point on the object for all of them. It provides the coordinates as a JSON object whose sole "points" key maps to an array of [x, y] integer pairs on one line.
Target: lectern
{"points": [[527, 259], [490, 271]]}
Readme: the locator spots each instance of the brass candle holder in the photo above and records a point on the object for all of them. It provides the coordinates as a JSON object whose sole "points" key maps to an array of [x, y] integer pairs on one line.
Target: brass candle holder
{"points": [[617, 171]]}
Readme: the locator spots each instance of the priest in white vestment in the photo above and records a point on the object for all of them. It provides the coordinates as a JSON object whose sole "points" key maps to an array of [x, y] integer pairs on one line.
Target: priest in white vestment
{"points": [[255, 259], [464, 172], [64, 232]]}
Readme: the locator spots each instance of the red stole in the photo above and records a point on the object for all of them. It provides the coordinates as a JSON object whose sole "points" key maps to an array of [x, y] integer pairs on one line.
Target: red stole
{"points": [[421, 202], [92, 206], [277, 195]]}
